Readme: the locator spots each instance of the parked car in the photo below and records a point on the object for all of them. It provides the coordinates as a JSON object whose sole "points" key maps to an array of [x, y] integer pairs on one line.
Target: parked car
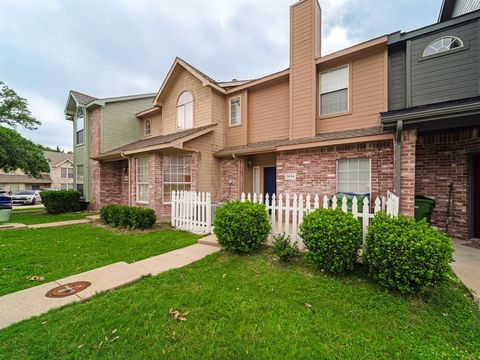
{"points": [[5, 200], [27, 197]]}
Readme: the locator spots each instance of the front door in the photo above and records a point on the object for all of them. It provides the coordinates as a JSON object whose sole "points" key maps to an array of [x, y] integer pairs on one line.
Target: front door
{"points": [[476, 196], [269, 180]]}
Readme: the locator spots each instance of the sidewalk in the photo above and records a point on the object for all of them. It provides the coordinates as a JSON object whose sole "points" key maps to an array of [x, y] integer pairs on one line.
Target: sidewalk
{"points": [[24, 304], [467, 267]]}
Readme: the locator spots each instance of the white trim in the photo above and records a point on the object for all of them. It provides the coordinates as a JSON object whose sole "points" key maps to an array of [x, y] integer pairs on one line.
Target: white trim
{"points": [[353, 158], [145, 127], [320, 90], [462, 45], [164, 172], [137, 183], [256, 187], [239, 97], [83, 127]]}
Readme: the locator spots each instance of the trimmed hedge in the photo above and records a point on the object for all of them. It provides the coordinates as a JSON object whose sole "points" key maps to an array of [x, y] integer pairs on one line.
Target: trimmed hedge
{"points": [[61, 201], [332, 238], [130, 217], [406, 255], [241, 226]]}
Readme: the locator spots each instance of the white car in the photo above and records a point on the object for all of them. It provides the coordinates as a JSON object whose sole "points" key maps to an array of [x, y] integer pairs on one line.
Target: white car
{"points": [[26, 197]]}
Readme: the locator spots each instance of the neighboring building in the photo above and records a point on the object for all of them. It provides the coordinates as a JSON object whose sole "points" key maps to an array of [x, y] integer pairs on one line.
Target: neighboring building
{"points": [[60, 176], [315, 127], [434, 105]]}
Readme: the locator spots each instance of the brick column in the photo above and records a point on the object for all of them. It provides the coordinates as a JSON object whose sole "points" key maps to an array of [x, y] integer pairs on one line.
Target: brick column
{"points": [[95, 166], [232, 170], [407, 178]]}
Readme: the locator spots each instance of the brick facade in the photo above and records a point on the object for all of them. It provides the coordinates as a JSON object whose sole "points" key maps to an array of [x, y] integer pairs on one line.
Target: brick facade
{"points": [[95, 149], [441, 159], [316, 169], [232, 178], [407, 182]]}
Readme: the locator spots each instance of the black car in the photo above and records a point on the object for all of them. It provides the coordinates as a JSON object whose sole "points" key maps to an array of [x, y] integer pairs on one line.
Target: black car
{"points": [[5, 200]]}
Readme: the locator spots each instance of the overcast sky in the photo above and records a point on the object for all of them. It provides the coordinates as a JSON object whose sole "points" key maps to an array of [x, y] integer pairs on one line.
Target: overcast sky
{"points": [[119, 47]]}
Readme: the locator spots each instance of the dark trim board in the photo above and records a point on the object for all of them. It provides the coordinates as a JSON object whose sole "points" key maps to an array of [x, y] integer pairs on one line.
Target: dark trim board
{"points": [[471, 191]]}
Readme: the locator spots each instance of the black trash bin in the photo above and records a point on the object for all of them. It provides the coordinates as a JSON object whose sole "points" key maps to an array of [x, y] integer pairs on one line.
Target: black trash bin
{"points": [[423, 207]]}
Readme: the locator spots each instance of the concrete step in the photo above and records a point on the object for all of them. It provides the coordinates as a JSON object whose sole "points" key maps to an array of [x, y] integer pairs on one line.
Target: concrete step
{"points": [[209, 240]]}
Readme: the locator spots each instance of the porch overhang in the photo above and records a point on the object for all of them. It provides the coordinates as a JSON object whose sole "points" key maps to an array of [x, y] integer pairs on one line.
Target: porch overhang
{"points": [[329, 139], [441, 116], [174, 141]]}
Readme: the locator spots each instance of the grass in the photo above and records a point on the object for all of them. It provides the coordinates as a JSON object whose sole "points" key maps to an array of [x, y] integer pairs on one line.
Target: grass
{"points": [[54, 253], [42, 217], [253, 307]]}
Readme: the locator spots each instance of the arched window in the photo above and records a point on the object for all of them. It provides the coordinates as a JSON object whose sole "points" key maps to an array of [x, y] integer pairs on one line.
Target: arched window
{"points": [[147, 127], [80, 125], [443, 44], [185, 111]]}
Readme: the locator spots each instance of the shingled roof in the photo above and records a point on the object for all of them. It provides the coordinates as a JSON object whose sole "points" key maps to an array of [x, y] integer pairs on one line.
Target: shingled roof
{"points": [[82, 99]]}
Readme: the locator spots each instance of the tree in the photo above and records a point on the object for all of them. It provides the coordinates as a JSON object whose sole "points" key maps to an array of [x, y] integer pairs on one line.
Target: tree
{"points": [[16, 152]]}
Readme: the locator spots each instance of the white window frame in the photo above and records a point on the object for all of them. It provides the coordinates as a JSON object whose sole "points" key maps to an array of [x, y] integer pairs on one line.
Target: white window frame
{"points": [[77, 130], [62, 170], [138, 183], [79, 180], [239, 98], [256, 180], [320, 91], [349, 159], [184, 125], [446, 51], [149, 122], [174, 182]]}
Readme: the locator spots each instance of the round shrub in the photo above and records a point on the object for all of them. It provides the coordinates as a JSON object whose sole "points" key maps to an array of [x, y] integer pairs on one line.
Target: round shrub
{"points": [[332, 238], [241, 226], [406, 255], [284, 248], [130, 217]]}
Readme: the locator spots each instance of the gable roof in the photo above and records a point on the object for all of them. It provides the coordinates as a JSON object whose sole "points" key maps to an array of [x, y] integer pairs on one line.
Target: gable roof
{"points": [[205, 79], [24, 179], [82, 99], [156, 142], [57, 158]]}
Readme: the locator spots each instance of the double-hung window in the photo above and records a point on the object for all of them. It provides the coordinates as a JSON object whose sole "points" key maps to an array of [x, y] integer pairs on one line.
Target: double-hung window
{"points": [[334, 86], [79, 126], [79, 178], [177, 175], [234, 118], [142, 179], [353, 175]]}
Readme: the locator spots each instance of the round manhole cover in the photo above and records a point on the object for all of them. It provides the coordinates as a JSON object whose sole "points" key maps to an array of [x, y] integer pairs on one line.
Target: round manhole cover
{"points": [[68, 289]]}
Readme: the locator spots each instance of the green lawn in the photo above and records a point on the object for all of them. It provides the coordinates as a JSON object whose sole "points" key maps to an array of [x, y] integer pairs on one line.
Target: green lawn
{"points": [[41, 217], [54, 253], [253, 307]]}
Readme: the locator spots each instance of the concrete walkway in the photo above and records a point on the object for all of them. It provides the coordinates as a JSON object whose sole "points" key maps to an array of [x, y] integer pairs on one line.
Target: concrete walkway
{"points": [[26, 303], [60, 223], [467, 267]]}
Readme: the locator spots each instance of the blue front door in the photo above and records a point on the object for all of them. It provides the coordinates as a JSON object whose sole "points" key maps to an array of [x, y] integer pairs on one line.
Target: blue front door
{"points": [[270, 180]]}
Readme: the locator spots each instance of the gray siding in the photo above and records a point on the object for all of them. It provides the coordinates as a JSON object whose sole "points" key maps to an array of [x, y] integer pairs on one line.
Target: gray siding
{"points": [[396, 78], [449, 76], [465, 6], [119, 124]]}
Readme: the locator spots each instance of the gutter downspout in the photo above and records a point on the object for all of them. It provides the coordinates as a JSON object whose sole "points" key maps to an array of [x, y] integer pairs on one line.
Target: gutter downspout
{"points": [[398, 161], [122, 154]]}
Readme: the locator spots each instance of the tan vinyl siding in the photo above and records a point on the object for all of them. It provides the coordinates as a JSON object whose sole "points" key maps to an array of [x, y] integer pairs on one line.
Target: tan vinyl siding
{"points": [[182, 81], [119, 124], [268, 113], [304, 46], [367, 91], [235, 135], [156, 125]]}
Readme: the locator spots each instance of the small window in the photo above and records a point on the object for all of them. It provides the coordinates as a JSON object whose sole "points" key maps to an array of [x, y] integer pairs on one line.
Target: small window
{"points": [[79, 174], [235, 118], [64, 172], [185, 111], [334, 86], [353, 175], [177, 175], [443, 44], [80, 125], [147, 127], [256, 180], [142, 179]]}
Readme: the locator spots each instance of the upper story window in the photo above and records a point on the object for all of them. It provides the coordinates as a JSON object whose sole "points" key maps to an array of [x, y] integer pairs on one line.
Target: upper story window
{"points": [[147, 127], [234, 118], [66, 173], [334, 85], [185, 111], [80, 125], [443, 44]]}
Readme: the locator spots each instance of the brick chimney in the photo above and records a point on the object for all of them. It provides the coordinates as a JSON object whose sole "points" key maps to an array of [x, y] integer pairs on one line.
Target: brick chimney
{"points": [[305, 40]]}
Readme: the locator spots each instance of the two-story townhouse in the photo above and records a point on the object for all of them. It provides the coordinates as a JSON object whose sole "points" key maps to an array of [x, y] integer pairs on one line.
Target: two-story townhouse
{"points": [[100, 125], [314, 127], [434, 109], [61, 170]]}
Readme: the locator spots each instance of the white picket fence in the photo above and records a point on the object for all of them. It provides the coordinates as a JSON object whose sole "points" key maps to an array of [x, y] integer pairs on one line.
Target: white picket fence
{"points": [[191, 210]]}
